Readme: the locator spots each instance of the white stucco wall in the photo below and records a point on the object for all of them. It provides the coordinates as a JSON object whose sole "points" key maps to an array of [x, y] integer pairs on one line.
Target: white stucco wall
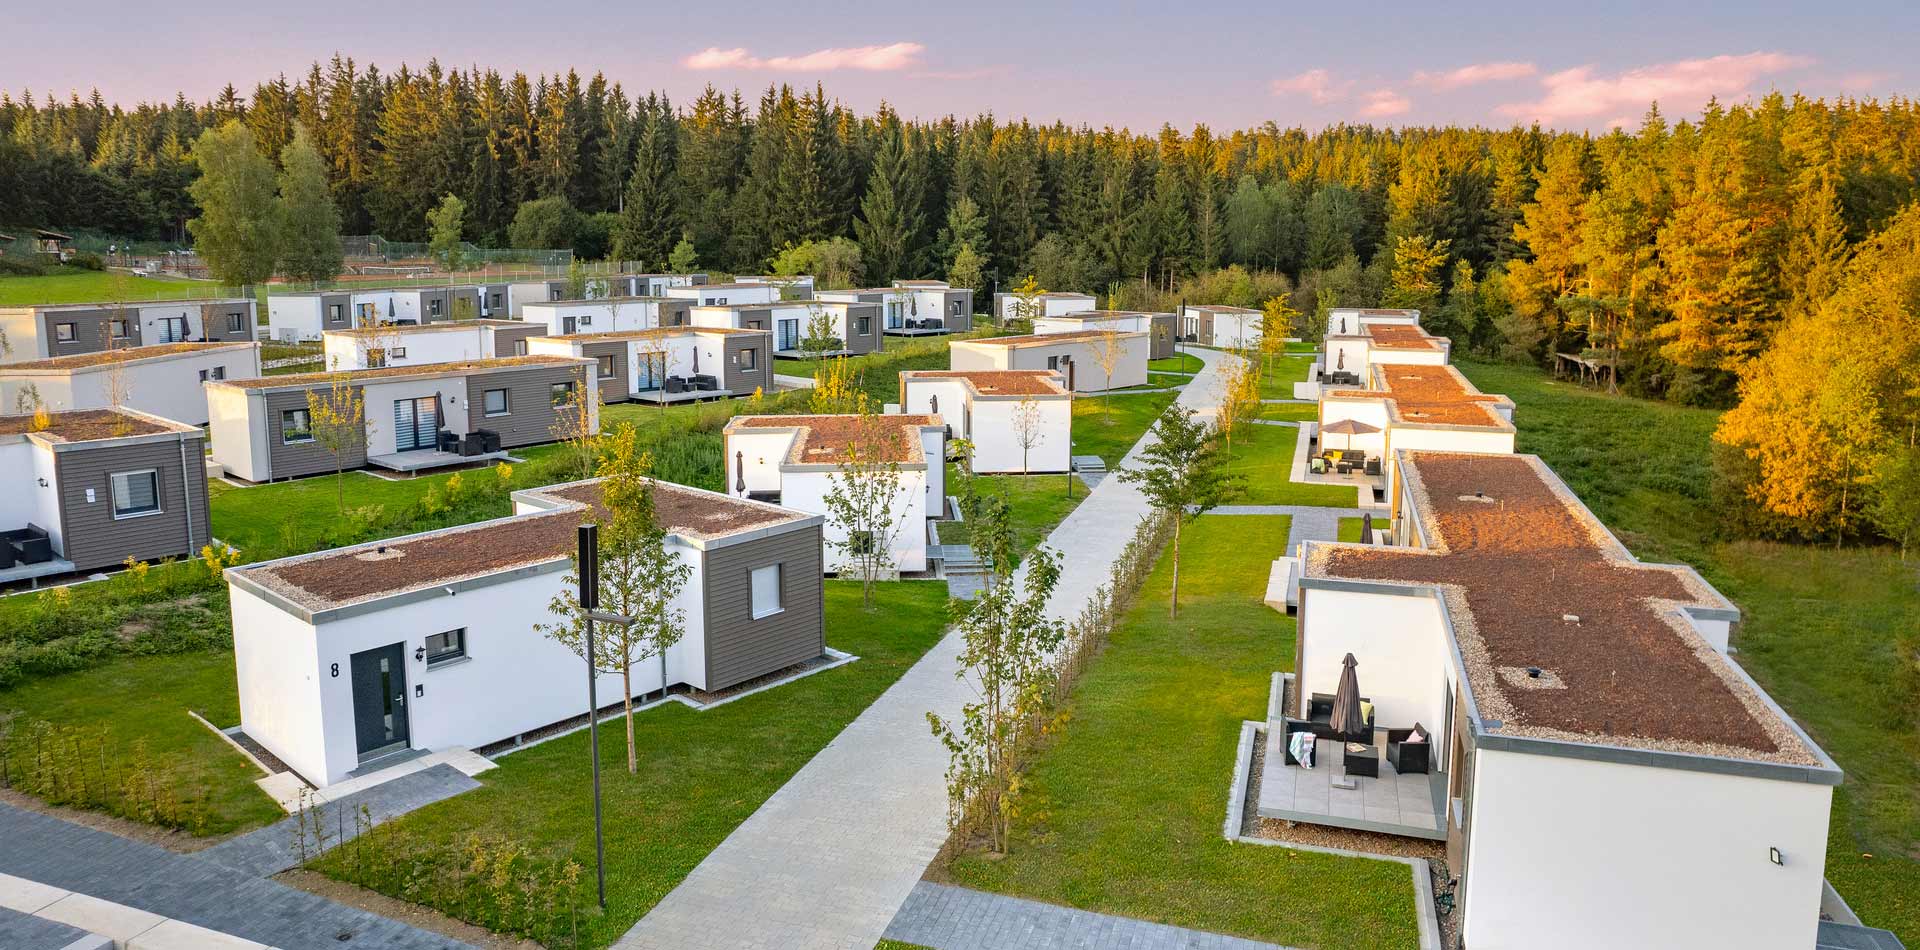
{"points": [[349, 351], [1088, 376], [970, 355], [167, 387], [1581, 854], [278, 674], [1387, 357], [705, 294], [237, 444], [20, 497], [996, 442], [760, 454], [1399, 643], [593, 316], [807, 491], [379, 397]]}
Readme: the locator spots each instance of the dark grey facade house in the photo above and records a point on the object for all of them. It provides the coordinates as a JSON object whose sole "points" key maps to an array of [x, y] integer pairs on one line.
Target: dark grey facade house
{"points": [[670, 364], [263, 428], [96, 487], [37, 333]]}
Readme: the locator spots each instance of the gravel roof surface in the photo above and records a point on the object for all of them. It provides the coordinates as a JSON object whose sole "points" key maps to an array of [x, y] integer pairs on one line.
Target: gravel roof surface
{"points": [[364, 572], [444, 326], [86, 425], [390, 372], [125, 354], [1438, 395], [825, 440], [1046, 339], [1531, 579], [650, 334], [999, 382], [1400, 336]]}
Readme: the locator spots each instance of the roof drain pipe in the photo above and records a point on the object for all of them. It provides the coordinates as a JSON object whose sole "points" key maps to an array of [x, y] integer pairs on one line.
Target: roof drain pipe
{"points": [[186, 494]]}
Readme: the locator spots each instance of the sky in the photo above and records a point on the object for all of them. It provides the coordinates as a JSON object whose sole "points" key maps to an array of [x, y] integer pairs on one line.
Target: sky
{"points": [[1120, 63]]}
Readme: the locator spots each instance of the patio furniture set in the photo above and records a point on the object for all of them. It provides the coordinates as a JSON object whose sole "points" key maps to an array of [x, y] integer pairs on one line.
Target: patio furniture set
{"points": [[691, 384], [923, 325], [1339, 378], [1346, 717], [1343, 462], [28, 545], [477, 442]]}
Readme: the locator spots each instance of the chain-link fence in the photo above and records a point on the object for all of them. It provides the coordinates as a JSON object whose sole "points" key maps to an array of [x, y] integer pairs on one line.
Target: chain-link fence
{"points": [[371, 248]]}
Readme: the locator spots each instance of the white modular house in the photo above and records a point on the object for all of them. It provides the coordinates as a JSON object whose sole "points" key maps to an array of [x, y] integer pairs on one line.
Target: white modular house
{"points": [[28, 334], [1082, 355], [914, 307], [413, 417], [671, 364], [90, 488], [1229, 328], [163, 379], [706, 295], [655, 285], [1052, 304], [1350, 321], [1017, 420], [418, 344], [794, 287], [794, 461], [854, 328], [1415, 407], [1160, 328], [600, 287], [1600, 768], [303, 318], [430, 641], [561, 317]]}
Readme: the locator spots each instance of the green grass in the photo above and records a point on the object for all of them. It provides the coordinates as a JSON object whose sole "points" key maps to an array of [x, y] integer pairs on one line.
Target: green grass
{"points": [[1290, 411], [1278, 375], [701, 774], [897, 945], [1167, 380], [78, 285], [1126, 804], [1263, 458], [1037, 503], [144, 701], [1349, 530], [1109, 425], [1819, 627], [1303, 346], [1177, 363]]}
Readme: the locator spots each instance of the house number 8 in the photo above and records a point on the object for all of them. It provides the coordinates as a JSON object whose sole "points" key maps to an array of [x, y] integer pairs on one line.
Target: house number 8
{"points": [[336, 671]]}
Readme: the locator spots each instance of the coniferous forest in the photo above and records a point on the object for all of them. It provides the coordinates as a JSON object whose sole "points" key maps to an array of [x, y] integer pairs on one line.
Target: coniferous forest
{"points": [[1675, 251]]}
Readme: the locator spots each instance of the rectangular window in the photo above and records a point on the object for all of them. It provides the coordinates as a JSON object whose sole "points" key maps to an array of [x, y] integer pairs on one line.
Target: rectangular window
{"points": [[495, 300], [866, 326], [296, 425], [376, 357], [519, 347], [65, 332], [553, 294], [496, 402], [749, 359], [767, 599], [118, 328], [446, 647], [955, 308], [336, 313], [219, 372], [561, 393], [433, 307], [606, 365], [1053, 362], [398, 353], [720, 301], [236, 323], [136, 493], [860, 542]]}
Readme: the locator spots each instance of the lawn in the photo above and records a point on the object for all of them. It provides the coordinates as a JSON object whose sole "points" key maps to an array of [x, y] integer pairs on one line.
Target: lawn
{"points": [[1109, 425], [1263, 458], [1290, 411], [701, 774], [1037, 503], [1278, 375], [1127, 803], [1349, 530], [79, 285], [141, 703], [1167, 380], [1644, 468], [1177, 363]]}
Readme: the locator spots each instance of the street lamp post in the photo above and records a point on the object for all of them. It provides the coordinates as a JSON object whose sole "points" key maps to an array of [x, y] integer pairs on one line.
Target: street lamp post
{"points": [[589, 596]]}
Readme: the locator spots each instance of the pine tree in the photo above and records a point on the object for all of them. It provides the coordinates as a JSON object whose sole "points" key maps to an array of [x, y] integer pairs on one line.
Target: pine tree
{"points": [[650, 216], [889, 217]]}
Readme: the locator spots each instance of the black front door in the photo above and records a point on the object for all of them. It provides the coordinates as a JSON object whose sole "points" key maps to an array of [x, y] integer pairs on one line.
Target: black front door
{"points": [[380, 699]]}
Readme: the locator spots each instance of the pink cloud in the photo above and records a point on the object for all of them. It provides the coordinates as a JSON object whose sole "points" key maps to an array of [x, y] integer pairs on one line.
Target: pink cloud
{"points": [[1582, 93], [892, 56], [1317, 84], [1384, 102], [1475, 74]]}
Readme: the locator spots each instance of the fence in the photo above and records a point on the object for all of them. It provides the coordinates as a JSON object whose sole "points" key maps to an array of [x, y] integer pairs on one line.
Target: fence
{"points": [[373, 247]]}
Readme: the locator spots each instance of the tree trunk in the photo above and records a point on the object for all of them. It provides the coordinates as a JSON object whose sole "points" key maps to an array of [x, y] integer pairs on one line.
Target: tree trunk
{"points": [[1173, 602], [626, 696]]}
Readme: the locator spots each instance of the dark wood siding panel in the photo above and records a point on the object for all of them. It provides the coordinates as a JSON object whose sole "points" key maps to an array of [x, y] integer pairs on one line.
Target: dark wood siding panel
{"points": [[754, 320], [505, 337], [1163, 329], [673, 313], [532, 415], [90, 329], [963, 321], [869, 342], [94, 539], [327, 303], [301, 458], [613, 388], [761, 376], [213, 321], [739, 647]]}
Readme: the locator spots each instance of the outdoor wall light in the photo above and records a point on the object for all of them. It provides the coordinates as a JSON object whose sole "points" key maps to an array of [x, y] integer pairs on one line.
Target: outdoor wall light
{"points": [[43, 483], [419, 690], [419, 654], [1774, 855]]}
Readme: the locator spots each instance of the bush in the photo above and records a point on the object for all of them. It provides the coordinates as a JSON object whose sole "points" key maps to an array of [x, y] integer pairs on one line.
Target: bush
{"points": [[19, 267], [544, 223], [87, 260]]}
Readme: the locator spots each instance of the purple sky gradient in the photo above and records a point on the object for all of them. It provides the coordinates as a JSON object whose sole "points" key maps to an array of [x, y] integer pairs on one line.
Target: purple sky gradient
{"points": [[1229, 65]]}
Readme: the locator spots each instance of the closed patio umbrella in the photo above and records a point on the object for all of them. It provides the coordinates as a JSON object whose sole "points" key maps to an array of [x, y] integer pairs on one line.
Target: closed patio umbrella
{"points": [[1366, 528], [1346, 721], [1340, 360], [696, 361], [1348, 428]]}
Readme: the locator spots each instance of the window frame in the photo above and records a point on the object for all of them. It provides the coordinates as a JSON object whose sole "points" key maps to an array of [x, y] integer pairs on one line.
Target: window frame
{"points": [[336, 313], [446, 656], [237, 322], [779, 590], [119, 328], [560, 393], [506, 403], [308, 428], [608, 367], [113, 495], [397, 353], [68, 332], [865, 325], [750, 359]]}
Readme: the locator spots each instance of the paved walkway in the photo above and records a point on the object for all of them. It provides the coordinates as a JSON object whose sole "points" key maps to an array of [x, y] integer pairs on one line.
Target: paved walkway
{"points": [[71, 857], [956, 918], [830, 858], [1309, 523], [270, 850]]}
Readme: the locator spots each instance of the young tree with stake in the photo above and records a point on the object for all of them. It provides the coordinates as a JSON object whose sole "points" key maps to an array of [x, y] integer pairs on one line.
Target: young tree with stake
{"points": [[860, 498], [1182, 474], [336, 421], [1027, 427], [641, 575], [1109, 348]]}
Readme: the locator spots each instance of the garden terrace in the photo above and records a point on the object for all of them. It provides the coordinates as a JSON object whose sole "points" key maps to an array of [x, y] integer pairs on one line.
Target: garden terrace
{"points": [[365, 572], [1618, 663], [402, 372], [125, 354], [827, 439]]}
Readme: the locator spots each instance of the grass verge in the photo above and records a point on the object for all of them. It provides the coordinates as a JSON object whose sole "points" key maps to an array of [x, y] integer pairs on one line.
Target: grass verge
{"points": [[1127, 803], [1263, 458], [1109, 425], [1037, 503]]}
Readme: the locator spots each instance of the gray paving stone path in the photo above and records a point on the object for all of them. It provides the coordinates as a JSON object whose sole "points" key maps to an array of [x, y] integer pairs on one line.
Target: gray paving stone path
{"points": [[270, 850], [957, 918], [20, 931], [1309, 523], [830, 857], [65, 855]]}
